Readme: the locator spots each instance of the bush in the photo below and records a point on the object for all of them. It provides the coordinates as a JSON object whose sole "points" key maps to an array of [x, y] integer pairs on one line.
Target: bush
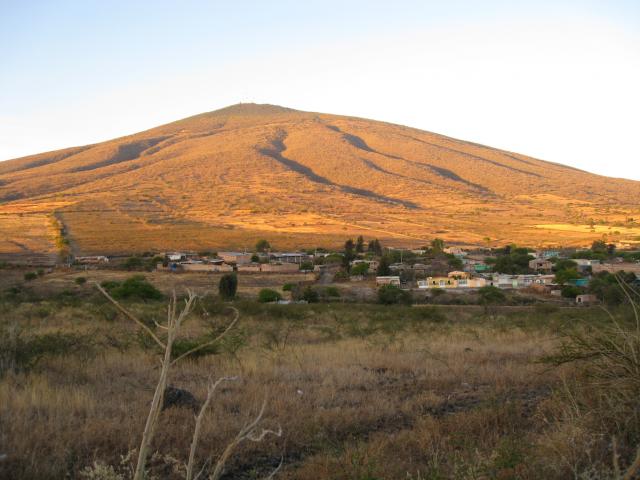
{"points": [[30, 276], [571, 291], [310, 295], [133, 287], [287, 287], [20, 352], [306, 266], [133, 263], [332, 292], [228, 286], [604, 398], [360, 269], [268, 295], [80, 280], [391, 294], [341, 276], [491, 295]]}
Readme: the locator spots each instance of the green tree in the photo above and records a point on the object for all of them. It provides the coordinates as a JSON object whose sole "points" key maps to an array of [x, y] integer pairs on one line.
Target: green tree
{"points": [[360, 269], [255, 258], [566, 270], [228, 286], [375, 247], [565, 276], [571, 291], [606, 287], [306, 266], [349, 253], [454, 262], [134, 263], [437, 245], [360, 244], [267, 295], [384, 267], [262, 245]]}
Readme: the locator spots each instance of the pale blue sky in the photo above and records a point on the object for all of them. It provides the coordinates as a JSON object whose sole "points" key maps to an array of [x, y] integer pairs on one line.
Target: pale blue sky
{"points": [[553, 79]]}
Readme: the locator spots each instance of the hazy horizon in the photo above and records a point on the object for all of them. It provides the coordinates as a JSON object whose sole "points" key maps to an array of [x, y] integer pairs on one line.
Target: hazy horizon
{"points": [[555, 80]]}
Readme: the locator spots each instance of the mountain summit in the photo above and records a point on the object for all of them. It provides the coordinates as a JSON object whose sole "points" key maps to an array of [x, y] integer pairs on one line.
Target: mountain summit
{"points": [[225, 178]]}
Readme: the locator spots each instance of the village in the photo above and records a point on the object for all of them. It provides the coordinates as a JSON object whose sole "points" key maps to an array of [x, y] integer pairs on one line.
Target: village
{"points": [[579, 276]]}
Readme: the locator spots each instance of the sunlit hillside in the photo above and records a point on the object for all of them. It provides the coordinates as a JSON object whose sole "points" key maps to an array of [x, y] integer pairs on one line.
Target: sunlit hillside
{"points": [[226, 178]]}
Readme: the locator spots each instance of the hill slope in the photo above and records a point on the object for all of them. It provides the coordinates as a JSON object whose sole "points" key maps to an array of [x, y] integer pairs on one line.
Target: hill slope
{"points": [[225, 178]]}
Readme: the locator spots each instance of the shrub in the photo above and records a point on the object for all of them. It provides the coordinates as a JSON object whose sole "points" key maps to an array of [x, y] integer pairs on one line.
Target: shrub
{"points": [[30, 276], [40, 272], [310, 295], [228, 286], [80, 280], [133, 287], [20, 352], [332, 292], [604, 399], [341, 276], [268, 295], [133, 263], [287, 287], [391, 294], [491, 295], [306, 266]]}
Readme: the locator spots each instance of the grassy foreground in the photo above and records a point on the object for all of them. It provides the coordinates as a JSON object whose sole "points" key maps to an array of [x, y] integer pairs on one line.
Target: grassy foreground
{"points": [[360, 391]]}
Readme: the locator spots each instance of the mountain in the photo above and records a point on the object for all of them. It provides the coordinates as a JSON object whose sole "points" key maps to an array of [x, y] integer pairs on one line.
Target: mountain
{"points": [[226, 178]]}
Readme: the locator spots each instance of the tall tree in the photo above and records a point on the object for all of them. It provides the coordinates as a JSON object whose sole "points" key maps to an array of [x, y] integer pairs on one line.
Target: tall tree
{"points": [[437, 244], [375, 247], [263, 245], [360, 244], [228, 286], [383, 267], [349, 253]]}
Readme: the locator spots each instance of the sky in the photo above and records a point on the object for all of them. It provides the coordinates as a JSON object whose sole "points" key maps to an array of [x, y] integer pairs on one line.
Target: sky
{"points": [[556, 80]]}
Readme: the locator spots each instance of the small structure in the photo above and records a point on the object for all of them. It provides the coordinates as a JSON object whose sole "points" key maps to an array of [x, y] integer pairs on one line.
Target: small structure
{"points": [[293, 257], [92, 260], [455, 251], [280, 267], [617, 267], [237, 258], [249, 267], [585, 263], [548, 253], [388, 280], [540, 265], [373, 264], [586, 299], [199, 266]]}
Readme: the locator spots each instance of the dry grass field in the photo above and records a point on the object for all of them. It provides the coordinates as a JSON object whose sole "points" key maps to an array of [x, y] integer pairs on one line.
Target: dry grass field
{"points": [[226, 178], [361, 392]]}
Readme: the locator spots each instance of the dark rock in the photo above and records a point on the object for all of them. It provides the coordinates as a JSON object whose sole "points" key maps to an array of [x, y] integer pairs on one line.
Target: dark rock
{"points": [[177, 397]]}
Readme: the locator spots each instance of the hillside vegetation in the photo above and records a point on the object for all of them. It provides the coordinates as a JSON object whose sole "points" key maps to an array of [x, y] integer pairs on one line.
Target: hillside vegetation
{"points": [[228, 177]]}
